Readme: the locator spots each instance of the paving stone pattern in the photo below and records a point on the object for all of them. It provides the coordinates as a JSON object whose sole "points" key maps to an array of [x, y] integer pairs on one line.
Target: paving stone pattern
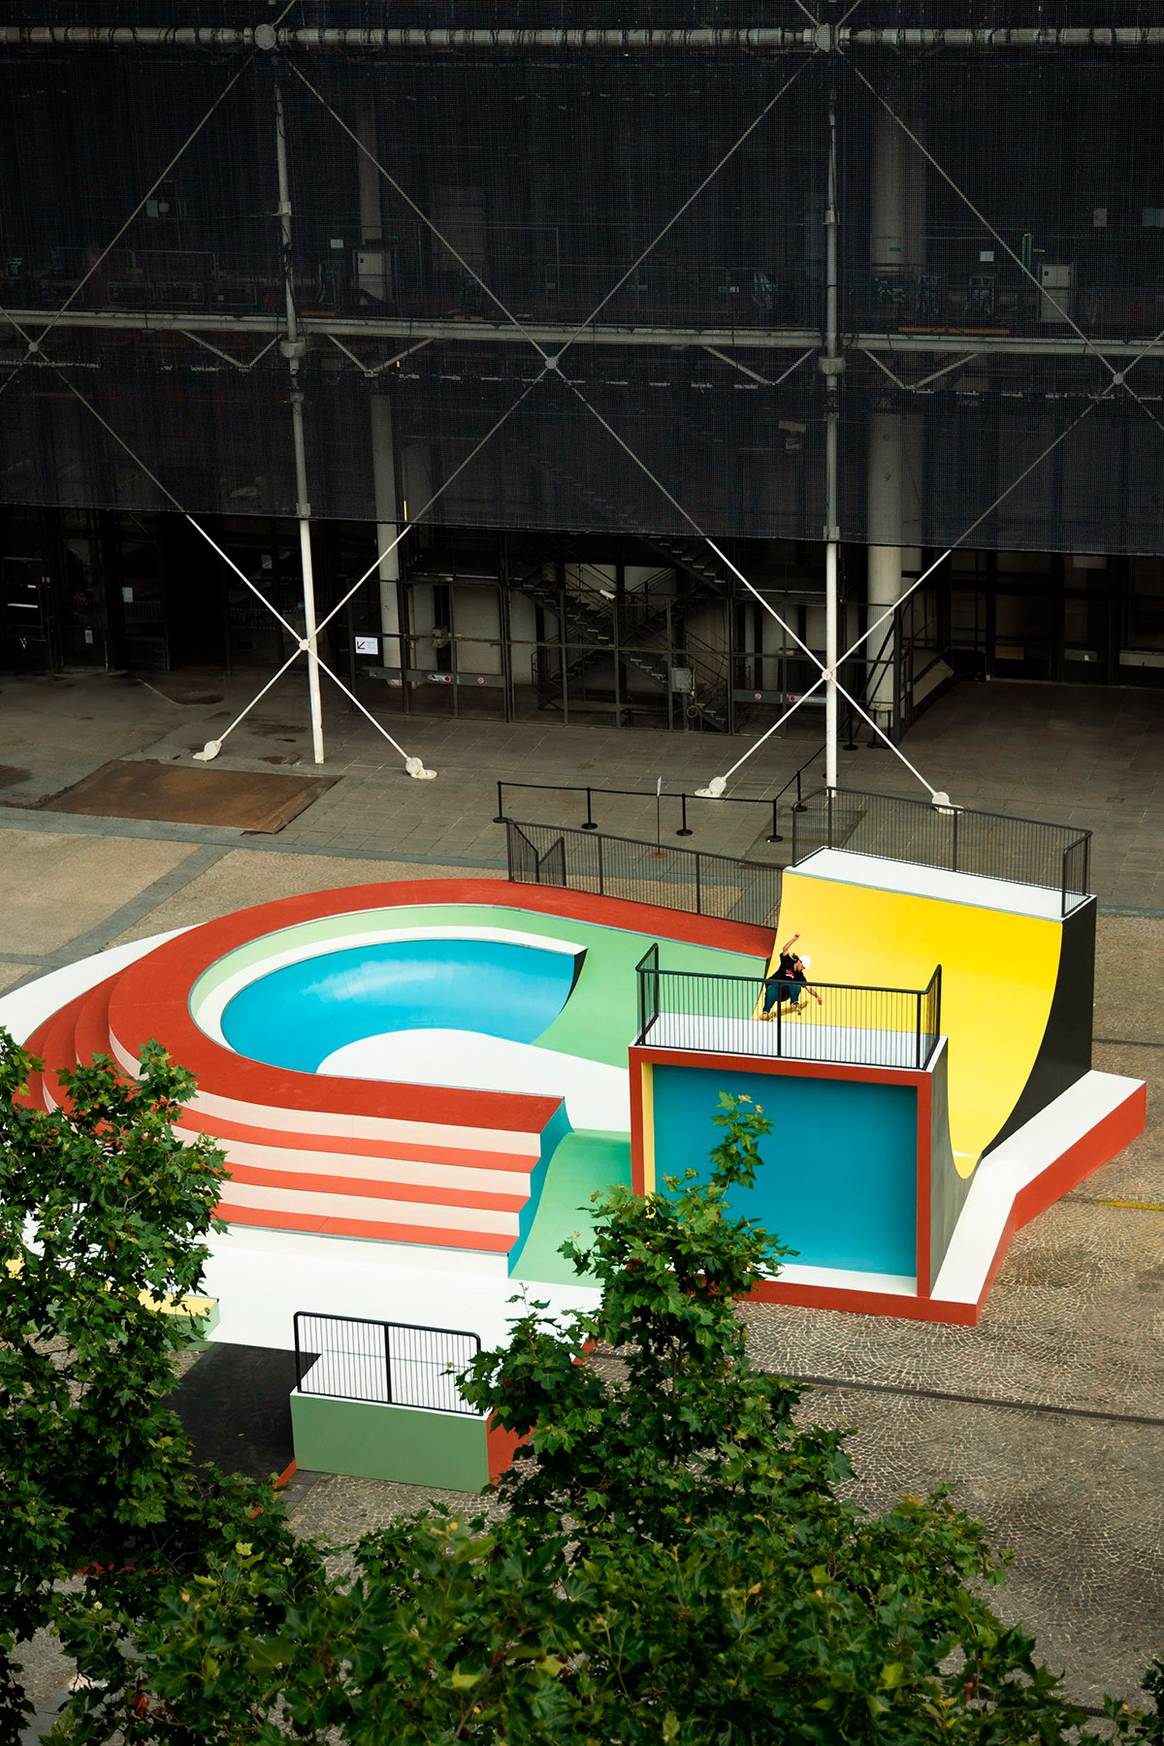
{"points": [[1049, 1415], [1066, 754]]}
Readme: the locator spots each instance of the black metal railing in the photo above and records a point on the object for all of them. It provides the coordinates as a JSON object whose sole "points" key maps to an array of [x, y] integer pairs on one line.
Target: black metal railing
{"points": [[551, 867], [647, 977], [993, 845], [521, 855], [388, 1363], [867, 1027], [643, 872], [677, 814]]}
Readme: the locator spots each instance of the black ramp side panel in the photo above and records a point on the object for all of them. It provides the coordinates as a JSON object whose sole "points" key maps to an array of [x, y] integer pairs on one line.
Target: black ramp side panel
{"points": [[1065, 1052]]}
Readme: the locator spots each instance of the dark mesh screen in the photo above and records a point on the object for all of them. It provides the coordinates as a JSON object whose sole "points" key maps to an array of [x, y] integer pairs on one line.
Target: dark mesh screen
{"points": [[989, 296]]}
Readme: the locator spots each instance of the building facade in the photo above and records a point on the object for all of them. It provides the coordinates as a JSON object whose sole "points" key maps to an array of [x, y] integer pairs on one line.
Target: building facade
{"points": [[567, 305]]}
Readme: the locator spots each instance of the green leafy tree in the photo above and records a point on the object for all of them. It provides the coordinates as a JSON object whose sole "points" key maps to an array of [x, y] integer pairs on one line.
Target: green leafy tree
{"points": [[671, 1559], [104, 1215]]}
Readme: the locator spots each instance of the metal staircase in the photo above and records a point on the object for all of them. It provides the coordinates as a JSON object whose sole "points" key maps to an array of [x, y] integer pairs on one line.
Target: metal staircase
{"points": [[590, 618], [588, 614]]}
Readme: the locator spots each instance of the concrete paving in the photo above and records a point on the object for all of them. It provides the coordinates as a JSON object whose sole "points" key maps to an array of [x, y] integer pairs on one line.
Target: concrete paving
{"points": [[1049, 1416], [1069, 754]]}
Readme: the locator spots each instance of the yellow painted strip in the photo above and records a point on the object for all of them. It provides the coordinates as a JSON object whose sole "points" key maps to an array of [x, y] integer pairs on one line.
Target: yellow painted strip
{"points": [[191, 1305], [1135, 1205], [998, 979], [648, 1073]]}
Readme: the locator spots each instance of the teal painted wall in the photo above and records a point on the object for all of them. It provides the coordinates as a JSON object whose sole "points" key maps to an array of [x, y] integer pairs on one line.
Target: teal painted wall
{"points": [[445, 1450], [839, 1177]]}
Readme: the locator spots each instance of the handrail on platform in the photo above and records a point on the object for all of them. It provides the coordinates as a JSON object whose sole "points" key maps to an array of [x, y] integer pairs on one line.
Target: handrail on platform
{"points": [[955, 839]]}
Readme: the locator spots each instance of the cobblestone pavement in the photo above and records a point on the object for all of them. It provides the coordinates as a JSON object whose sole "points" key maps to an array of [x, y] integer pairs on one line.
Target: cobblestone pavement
{"points": [[1049, 1416]]}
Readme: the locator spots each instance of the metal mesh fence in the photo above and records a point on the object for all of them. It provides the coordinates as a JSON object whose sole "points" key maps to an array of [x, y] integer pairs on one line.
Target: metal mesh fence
{"points": [[956, 839], [743, 1015], [389, 1363], [643, 872], [1001, 277]]}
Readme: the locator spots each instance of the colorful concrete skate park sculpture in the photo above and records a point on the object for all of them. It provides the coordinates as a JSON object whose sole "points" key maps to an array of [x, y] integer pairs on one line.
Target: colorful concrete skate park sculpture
{"points": [[419, 1085]]}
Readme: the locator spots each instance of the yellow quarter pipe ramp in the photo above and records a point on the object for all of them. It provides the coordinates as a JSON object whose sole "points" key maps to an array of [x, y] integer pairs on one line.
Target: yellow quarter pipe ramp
{"points": [[1007, 1003]]}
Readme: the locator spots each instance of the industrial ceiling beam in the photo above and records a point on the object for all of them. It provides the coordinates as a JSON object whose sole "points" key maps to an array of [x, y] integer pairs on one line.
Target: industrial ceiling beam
{"points": [[396, 328], [703, 40]]}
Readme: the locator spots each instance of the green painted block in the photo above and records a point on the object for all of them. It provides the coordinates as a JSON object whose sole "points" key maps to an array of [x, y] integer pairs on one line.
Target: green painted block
{"points": [[408, 1444], [584, 1161]]}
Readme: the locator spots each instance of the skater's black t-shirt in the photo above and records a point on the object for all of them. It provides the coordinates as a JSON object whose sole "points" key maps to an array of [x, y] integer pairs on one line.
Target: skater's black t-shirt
{"points": [[787, 971]]}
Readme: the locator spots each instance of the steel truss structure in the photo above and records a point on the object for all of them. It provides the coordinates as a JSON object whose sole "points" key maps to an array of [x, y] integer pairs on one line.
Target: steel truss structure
{"points": [[466, 353]]}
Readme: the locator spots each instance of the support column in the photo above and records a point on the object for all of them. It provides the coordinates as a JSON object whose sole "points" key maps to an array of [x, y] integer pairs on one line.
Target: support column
{"points": [[387, 525], [831, 364], [897, 221], [371, 266], [294, 349]]}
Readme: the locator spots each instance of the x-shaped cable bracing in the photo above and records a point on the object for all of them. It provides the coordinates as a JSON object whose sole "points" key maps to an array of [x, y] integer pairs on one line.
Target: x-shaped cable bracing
{"points": [[552, 361], [414, 766], [34, 348], [1118, 377]]}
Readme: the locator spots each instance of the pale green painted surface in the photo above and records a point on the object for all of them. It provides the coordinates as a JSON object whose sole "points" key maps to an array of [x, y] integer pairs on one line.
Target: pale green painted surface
{"points": [[406, 1444], [599, 1019], [584, 1161]]}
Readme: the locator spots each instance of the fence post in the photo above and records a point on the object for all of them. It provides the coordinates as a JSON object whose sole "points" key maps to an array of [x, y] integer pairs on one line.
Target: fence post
{"points": [[387, 1364], [500, 818], [698, 886], [954, 851], [590, 824], [779, 1024], [775, 836], [683, 830], [918, 998], [829, 816], [601, 886]]}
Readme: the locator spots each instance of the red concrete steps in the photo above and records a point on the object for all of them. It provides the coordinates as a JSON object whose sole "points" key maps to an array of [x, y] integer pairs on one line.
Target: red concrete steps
{"points": [[55, 1045], [384, 1162], [91, 1025], [370, 1230]]}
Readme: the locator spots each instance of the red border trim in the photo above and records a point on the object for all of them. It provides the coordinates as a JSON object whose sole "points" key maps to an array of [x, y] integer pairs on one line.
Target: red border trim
{"points": [[151, 997], [786, 1068], [1096, 1148], [1105, 1141]]}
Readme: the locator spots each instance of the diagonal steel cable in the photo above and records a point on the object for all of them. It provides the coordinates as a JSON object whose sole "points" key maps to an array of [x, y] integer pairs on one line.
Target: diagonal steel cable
{"points": [[548, 361], [424, 509], [691, 521], [767, 735], [1118, 376], [977, 522], [691, 199], [34, 345], [301, 642], [880, 732], [168, 494], [419, 211]]}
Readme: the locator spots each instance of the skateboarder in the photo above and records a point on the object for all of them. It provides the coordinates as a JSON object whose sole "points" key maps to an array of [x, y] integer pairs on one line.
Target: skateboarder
{"points": [[789, 981]]}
